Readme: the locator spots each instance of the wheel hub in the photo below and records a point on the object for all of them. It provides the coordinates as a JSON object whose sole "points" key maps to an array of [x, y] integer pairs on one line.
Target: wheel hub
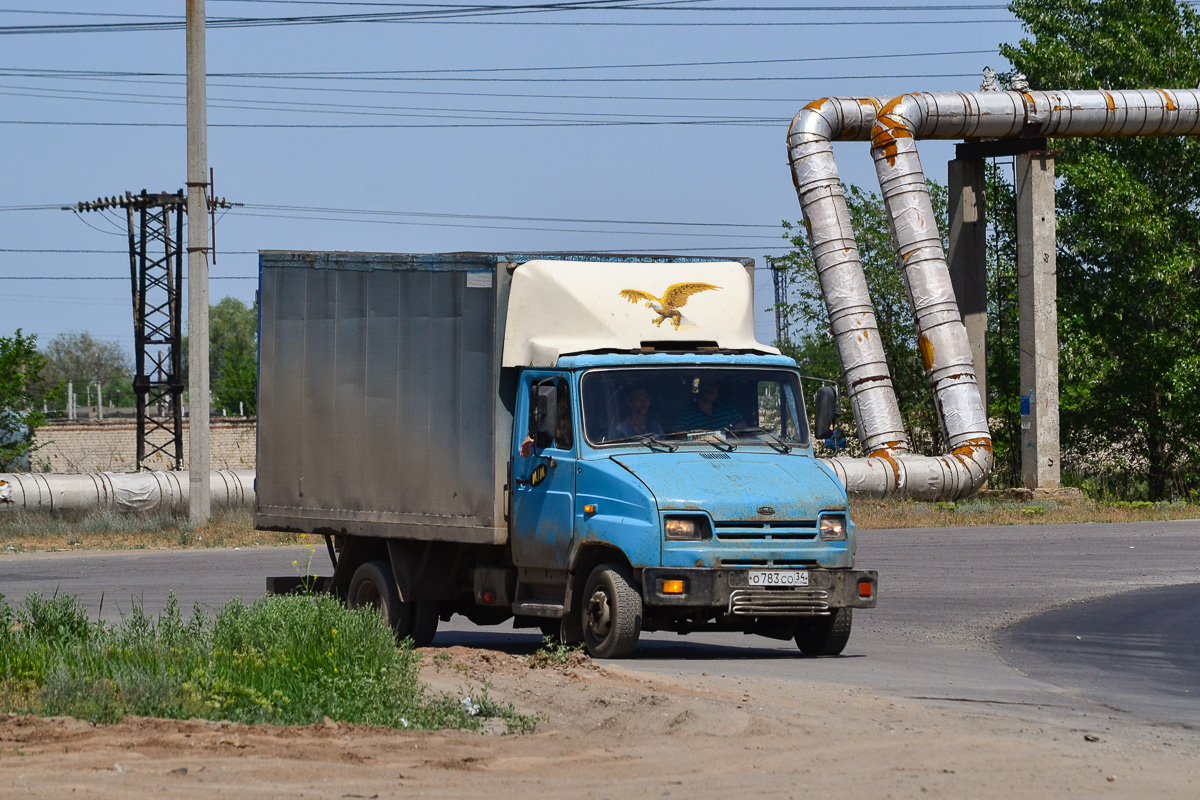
{"points": [[599, 614]]}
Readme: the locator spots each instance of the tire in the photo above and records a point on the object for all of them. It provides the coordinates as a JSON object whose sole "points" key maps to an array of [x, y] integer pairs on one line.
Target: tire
{"points": [[424, 623], [612, 612], [373, 586], [825, 636]]}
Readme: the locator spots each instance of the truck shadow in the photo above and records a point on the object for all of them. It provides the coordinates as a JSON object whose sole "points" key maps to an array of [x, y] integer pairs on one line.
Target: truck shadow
{"points": [[649, 648]]}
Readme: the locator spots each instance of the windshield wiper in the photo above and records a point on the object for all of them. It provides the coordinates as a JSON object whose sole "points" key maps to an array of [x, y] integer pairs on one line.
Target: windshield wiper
{"points": [[773, 440], [651, 440], [706, 435]]}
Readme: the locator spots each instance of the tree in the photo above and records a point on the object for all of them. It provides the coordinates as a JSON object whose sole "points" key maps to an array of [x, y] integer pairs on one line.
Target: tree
{"points": [[897, 330], [233, 355], [21, 380], [1129, 238], [81, 358]]}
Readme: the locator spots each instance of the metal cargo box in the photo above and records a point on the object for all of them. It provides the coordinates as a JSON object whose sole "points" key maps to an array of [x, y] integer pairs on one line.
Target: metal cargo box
{"points": [[380, 403]]}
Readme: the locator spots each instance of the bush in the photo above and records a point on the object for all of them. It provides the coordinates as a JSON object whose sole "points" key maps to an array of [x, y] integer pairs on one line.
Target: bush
{"points": [[282, 660]]}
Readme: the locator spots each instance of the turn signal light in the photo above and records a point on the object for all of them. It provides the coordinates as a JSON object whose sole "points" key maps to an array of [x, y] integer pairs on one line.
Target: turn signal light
{"points": [[589, 509], [672, 587]]}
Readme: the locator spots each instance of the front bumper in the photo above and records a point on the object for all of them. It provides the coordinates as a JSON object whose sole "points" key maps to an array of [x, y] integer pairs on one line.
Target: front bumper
{"points": [[730, 591]]}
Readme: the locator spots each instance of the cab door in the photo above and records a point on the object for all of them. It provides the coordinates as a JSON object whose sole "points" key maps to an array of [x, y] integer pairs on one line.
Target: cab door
{"points": [[543, 474]]}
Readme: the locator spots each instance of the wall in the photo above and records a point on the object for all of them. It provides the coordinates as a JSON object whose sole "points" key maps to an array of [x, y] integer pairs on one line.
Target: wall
{"points": [[111, 446]]}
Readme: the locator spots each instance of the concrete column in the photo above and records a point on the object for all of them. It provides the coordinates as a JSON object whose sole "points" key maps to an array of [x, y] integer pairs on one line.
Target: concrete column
{"points": [[967, 257], [199, 502], [1037, 298]]}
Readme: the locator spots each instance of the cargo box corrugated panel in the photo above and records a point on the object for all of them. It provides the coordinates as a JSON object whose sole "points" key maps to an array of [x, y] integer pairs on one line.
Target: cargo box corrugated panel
{"points": [[378, 395]]}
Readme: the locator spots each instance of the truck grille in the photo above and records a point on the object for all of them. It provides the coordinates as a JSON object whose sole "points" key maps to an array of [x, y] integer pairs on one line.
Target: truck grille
{"points": [[766, 531], [778, 602]]}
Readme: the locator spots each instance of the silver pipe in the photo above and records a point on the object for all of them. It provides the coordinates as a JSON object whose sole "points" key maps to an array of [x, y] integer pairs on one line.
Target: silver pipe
{"points": [[119, 491], [973, 115], [889, 468], [839, 267]]}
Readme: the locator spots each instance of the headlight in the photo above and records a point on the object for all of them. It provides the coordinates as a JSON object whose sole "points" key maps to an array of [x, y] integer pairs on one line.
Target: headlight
{"points": [[689, 528], [833, 527]]}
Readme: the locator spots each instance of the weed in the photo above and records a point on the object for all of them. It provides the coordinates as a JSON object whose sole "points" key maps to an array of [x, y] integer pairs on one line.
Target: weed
{"points": [[1033, 511], [553, 653], [281, 660]]}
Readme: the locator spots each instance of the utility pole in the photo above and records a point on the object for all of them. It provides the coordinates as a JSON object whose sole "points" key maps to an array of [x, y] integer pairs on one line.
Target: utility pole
{"points": [[155, 224], [200, 457], [781, 281]]}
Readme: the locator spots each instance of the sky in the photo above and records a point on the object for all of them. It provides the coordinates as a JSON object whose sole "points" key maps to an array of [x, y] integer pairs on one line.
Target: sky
{"points": [[647, 126]]}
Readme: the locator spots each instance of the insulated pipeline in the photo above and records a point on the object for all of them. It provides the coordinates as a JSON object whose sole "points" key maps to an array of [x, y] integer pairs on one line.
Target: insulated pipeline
{"points": [[118, 491], [893, 128]]}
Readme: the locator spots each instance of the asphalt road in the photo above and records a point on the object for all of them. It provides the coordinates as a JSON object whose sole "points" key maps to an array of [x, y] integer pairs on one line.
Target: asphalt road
{"points": [[1098, 622]]}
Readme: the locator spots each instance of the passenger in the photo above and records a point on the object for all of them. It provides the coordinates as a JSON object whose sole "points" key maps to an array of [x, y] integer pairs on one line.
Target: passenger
{"points": [[636, 422], [708, 413]]}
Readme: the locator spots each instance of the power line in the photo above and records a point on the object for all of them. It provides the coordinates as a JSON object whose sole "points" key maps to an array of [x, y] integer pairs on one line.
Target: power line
{"points": [[497, 217], [108, 278], [35, 72]]}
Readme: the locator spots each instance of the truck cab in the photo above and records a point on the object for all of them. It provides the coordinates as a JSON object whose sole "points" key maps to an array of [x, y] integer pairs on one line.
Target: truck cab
{"points": [[688, 480]]}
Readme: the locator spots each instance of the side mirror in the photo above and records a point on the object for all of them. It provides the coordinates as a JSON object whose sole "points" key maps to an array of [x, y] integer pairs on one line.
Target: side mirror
{"points": [[826, 411], [545, 415]]}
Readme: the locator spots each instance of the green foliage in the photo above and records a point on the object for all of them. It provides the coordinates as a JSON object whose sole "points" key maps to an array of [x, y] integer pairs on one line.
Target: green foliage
{"points": [[83, 359], [553, 653], [233, 355], [1129, 241], [814, 347], [282, 660], [21, 381]]}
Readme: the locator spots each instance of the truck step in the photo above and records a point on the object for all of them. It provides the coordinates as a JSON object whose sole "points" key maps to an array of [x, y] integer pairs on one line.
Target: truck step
{"points": [[538, 607]]}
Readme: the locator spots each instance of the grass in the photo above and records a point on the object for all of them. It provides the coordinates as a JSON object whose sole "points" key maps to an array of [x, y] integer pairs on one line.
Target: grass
{"points": [[870, 514], [107, 530], [290, 660]]}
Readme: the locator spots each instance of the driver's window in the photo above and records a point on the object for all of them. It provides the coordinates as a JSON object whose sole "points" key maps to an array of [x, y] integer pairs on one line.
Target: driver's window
{"points": [[564, 437]]}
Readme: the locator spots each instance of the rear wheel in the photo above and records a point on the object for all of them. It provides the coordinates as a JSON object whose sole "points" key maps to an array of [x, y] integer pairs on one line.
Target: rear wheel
{"points": [[424, 623], [373, 586], [612, 612], [825, 636]]}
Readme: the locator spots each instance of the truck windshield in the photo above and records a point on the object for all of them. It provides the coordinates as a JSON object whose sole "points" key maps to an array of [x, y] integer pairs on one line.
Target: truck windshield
{"points": [[674, 404]]}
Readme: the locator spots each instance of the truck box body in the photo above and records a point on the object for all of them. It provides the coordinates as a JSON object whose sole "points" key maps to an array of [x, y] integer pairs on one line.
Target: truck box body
{"points": [[386, 409]]}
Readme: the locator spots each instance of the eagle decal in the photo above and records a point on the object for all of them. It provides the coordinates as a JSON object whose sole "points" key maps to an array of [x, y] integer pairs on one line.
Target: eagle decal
{"points": [[667, 307]]}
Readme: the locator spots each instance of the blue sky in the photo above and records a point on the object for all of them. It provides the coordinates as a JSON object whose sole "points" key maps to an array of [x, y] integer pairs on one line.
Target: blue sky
{"points": [[653, 127]]}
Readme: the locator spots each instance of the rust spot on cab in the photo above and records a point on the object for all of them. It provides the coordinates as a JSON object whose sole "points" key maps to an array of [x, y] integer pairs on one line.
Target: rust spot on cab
{"points": [[926, 348]]}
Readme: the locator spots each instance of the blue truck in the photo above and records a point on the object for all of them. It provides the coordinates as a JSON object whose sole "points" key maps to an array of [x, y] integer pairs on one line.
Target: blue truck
{"points": [[591, 445]]}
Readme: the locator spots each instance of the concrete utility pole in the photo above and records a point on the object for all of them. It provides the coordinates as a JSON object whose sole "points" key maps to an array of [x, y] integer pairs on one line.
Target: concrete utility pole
{"points": [[1037, 298], [967, 257], [199, 458]]}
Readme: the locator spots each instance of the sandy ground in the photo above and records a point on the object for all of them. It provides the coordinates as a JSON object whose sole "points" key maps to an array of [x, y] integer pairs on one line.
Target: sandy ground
{"points": [[612, 732]]}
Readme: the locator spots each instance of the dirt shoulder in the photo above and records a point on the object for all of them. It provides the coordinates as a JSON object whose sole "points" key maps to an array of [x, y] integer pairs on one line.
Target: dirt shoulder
{"points": [[610, 731]]}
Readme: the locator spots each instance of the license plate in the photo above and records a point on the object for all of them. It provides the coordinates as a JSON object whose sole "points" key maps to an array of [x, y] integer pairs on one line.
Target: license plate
{"points": [[778, 577]]}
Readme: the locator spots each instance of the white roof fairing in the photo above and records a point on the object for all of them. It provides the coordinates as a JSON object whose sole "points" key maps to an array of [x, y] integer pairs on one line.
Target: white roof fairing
{"points": [[567, 307]]}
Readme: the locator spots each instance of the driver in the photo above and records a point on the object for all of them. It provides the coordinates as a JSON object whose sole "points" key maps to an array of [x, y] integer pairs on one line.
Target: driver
{"points": [[708, 412]]}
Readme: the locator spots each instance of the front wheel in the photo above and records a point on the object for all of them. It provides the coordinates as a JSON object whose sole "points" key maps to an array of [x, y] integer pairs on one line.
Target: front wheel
{"points": [[612, 612], [825, 636]]}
